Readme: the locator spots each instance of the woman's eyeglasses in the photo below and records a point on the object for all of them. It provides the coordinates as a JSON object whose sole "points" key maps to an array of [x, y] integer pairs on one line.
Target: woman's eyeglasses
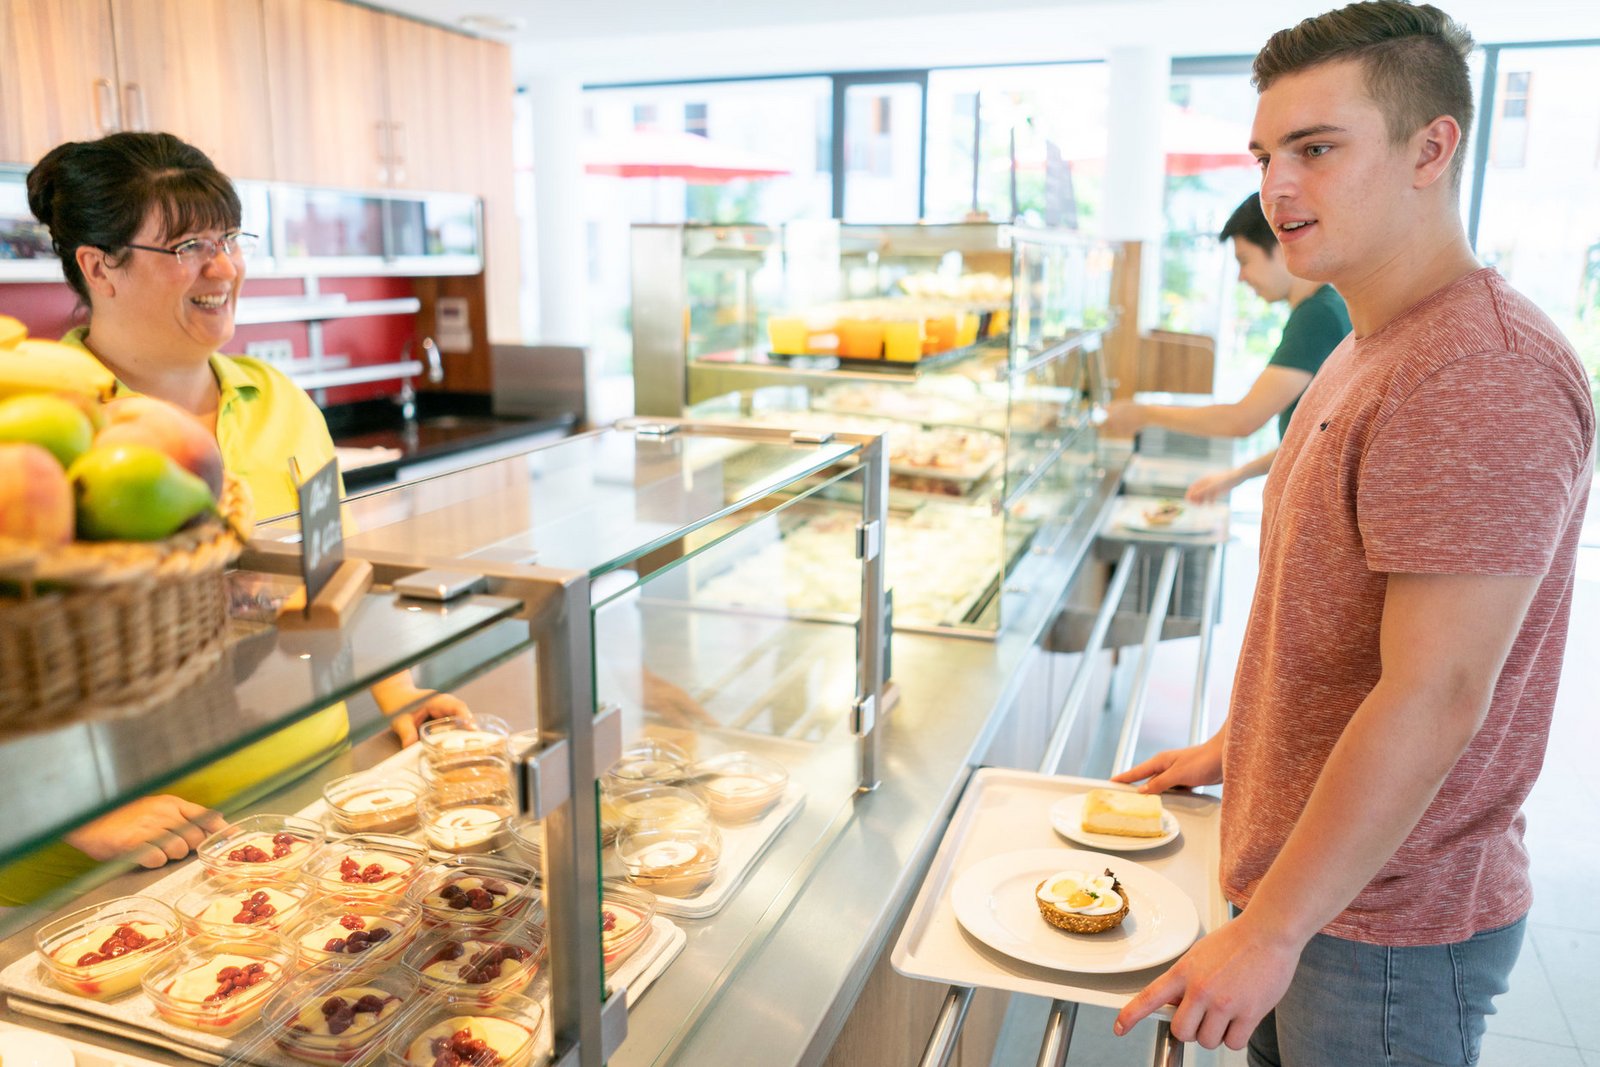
{"points": [[198, 251]]}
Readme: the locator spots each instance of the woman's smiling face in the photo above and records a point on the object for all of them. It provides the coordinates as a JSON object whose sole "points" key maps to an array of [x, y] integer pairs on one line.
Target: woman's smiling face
{"points": [[184, 305]]}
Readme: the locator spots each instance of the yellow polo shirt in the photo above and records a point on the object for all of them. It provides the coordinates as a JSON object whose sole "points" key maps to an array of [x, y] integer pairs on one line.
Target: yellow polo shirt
{"points": [[262, 419]]}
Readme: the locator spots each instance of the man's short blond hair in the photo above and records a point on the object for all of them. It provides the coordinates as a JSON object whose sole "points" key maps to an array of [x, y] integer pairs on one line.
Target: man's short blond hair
{"points": [[1414, 57]]}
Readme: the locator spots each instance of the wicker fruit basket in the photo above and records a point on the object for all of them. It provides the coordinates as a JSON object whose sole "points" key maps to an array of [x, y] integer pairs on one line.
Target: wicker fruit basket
{"points": [[110, 629]]}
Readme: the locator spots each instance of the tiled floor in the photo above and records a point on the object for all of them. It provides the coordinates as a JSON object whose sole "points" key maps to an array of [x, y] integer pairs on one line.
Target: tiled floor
{"points": [[1551, 1016]]}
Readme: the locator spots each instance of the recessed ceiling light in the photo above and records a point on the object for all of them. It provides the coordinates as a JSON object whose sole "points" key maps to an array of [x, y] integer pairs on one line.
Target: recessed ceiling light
{"points": [[494, 23]]}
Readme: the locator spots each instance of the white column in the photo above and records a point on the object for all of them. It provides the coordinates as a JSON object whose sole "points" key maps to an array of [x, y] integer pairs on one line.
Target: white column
{"points": [[556, 106], [1136, 161]]}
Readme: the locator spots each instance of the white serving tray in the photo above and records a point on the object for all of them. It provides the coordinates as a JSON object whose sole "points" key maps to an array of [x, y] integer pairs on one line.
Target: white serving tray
{"points": [[639, 970], [1003, 811], [742, 848], [1201, 524], [87, 1055]]}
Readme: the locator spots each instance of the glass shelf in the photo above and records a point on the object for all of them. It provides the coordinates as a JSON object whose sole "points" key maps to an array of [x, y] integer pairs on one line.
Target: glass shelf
{"points": [[268, 679]]}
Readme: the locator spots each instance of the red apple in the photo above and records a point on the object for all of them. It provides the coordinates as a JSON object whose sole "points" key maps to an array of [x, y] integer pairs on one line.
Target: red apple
{"points": [[35, 497], [144, 420]]}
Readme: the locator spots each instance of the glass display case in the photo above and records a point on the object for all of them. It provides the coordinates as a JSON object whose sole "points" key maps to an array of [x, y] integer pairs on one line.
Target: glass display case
{"points": [[975, 349], [648, 758]]}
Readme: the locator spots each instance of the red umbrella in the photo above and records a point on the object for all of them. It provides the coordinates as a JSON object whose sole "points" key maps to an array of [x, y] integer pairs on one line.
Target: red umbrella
{"points": [[671, 154]]}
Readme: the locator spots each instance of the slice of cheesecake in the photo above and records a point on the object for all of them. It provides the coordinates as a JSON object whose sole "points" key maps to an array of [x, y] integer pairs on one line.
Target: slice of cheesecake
{"points": [[1112, 811]]}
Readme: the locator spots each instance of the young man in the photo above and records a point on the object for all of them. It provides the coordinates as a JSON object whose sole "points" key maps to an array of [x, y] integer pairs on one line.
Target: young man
{"points": [[1317, 323], [1394, 693]]}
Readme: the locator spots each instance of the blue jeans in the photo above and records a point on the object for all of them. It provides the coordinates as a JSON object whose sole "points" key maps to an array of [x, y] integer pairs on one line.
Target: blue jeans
{"points": [[1357, 1005]]}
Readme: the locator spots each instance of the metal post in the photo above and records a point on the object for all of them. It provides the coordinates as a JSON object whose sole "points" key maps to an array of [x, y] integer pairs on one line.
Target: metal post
{"points": [[874, 632], [1209, 604], [1079, 688], [1133, 718], [942, 1042], [1169, 1051], [1058, 1034]]}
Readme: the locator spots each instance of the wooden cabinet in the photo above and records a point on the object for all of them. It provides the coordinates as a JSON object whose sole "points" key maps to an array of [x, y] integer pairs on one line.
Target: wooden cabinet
{"points": [[80, 69], [325, 73], [58, 75]]}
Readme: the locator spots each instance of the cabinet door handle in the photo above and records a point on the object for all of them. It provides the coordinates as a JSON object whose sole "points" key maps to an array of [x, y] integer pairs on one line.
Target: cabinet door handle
{"points": [[398, 136], [380, 140], [133, 106], [104, 100]]}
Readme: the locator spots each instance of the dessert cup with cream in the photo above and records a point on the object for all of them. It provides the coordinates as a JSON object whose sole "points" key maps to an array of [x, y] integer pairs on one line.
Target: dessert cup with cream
{"points": [[626, 913], [467, 776], [647, 762], [230, 909], [660, 805], [474, 891], [331, 1015], [350, 932], [671, 861], [739, 787], [467, 824], [369, 803], [508, 1029], [366, 866], [261, 846], [218, 987], [104, 950], [481, 963], [481, 735]]}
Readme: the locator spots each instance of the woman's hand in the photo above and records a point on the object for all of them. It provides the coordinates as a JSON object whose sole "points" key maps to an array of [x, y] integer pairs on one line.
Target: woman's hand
{"points": [[1124, 418], [1209, 488], [1178, 767], [150, 830], [434, 706]]}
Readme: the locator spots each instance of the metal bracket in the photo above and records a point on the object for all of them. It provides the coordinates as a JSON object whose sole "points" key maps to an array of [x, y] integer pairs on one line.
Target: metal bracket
{"points": [[869, 539], [572, 1058], [607, 738], [545, 779], [863, 714], [656, 429], [811, 437], [613, 1024]]}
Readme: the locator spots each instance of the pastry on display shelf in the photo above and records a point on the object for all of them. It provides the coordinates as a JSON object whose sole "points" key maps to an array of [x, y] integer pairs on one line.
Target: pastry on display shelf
{"points": [[1124, 814], [261, 846], [218, 987], [103, 951], [1081, 903], [377, 804], [215, 908], [1163, 513]]}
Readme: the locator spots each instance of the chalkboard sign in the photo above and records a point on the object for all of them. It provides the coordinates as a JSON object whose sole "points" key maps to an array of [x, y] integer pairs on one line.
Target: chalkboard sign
{"points": [[321, 529]]}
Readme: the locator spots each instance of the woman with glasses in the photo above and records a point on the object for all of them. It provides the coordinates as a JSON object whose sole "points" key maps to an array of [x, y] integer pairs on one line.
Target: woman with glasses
{"points": [[149, 236]]}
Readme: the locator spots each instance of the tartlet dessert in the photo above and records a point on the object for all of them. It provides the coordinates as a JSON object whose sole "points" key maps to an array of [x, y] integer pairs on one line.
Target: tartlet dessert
{"points": [[365, 803], [1122, 813], [1081, 903], [217, 988], [103, 951]]}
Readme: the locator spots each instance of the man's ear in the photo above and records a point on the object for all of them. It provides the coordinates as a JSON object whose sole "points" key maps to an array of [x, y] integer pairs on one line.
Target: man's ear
{"points": [[1436, 144], [96, 273]]}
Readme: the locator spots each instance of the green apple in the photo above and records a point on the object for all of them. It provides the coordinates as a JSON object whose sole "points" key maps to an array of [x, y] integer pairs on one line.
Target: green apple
{"points": [[52, 423], [134, 493]]}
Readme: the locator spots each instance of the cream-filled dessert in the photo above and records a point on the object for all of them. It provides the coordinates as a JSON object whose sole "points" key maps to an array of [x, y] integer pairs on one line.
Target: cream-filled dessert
{"points": [[470, 894], [672, 868], [109, 959], [1080, 902], [467, 742], [467, 828], [383, 808], [272, 850], [489, 966], [262, 906], [471, 1041], [1121, 813], [662, 810], [353, 1013], [348, 934], [620, 931], [223, 993], [736, 798], [367, 871]]}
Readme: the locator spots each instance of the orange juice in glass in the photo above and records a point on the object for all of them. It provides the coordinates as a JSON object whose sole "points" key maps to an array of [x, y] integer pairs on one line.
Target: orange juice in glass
{"points": [[786, 335], [902, 341], [861, 338], [941, 335], [967, 329]]}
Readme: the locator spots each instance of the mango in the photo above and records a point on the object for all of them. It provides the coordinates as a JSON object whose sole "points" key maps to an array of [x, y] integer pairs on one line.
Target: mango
{"points": [[144, 420], [49, 421], [134, 493]]}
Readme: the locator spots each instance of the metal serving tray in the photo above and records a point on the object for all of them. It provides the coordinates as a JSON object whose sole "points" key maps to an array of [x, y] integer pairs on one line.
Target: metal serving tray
{"points": [[1003, 811]]}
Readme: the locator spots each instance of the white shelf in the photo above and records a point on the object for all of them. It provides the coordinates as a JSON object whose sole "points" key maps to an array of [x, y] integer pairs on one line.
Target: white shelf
{"points": [[256, 310], [329, 379]]}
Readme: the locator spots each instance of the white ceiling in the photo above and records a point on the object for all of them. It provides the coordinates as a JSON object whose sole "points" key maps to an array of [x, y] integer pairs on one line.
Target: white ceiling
{"points": [[639, 40]]}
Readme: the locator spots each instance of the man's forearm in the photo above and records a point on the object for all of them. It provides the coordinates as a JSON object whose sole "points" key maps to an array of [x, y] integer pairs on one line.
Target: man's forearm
{"points": [[1378, 781], [1212, 420]]}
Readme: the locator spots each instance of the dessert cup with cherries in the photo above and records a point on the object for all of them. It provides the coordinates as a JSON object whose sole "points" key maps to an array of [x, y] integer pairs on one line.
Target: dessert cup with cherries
{"points": [[463, 1031], [219, 987], [104, 950], [261, 846], [332, 1015], [236, 909], [482, 964], [474, 891], [626, 913], [349, 932], [365, 867]]}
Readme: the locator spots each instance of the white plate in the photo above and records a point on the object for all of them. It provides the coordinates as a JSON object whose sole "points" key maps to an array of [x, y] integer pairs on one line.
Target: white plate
{"points": [[30, 1048], [1066, 815], [994, 902], [1194, 520]]}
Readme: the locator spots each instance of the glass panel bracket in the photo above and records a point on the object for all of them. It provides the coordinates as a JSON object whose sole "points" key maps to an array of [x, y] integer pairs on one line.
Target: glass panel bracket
{"points": [[863, 715], [869, 539], [545, 782]]}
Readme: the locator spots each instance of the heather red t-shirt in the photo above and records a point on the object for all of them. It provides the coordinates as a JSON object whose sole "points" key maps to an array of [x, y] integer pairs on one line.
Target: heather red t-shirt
{"points": [[1458, 439]]}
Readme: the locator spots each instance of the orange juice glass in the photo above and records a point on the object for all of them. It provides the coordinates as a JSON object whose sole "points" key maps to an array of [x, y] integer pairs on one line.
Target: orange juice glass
{"points": [[902, 341], [860, 339]]}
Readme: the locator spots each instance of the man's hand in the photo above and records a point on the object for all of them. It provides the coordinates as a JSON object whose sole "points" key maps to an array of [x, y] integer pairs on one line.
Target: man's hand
{"points": [[1124, 418], [433, 706], [1223, 986], [150, 830], [1177, 767], [1209, 488]]}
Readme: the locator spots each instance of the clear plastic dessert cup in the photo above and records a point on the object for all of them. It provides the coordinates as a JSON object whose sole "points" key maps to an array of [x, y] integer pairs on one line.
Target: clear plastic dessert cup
{"points": [[230, 909], [369, 803], [481, 735], [740, 787], [647, 762], [218, 987], [468, 824], [660, 805], [365, 867], [348, 933], [104, 950], [625, 916], [474, 891], [509, 1028], [332, 1015], [671, 861], [467, 777], [527, 840], [477, 963], [261, 846]]}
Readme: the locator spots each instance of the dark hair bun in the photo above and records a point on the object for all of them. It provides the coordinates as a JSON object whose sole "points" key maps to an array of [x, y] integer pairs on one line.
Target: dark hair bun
{"points": [[42, 183]]}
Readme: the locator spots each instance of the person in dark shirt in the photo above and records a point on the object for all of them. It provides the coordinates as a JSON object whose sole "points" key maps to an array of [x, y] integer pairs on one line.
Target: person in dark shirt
{"points": [[1317, 323]]}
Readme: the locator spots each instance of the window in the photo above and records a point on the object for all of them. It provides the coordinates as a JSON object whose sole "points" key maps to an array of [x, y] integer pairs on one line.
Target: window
{"points": [[694, 119], [1509, 140], [882, 150]]}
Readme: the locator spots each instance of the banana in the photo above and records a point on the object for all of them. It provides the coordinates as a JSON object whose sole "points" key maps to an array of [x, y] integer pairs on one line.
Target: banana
{"points": [[48, 367], [11, 331]]}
